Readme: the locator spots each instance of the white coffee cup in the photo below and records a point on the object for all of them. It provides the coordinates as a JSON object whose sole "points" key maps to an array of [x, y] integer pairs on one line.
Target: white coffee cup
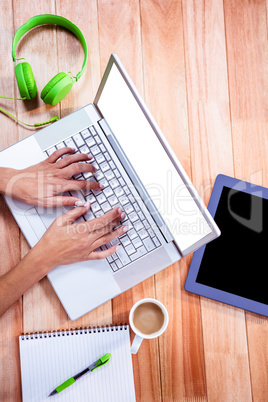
{"points": [[139, 335]]}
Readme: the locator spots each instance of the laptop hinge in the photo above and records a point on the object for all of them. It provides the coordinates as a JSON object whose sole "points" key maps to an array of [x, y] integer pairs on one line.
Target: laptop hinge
{"points": [[137, 182]]}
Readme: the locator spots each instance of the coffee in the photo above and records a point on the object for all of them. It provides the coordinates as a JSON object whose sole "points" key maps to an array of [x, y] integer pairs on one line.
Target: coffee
{"points": [[148, 318]]}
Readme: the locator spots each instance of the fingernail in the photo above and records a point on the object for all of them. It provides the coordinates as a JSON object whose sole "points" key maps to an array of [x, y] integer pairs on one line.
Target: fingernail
{"points": [[117, 247], [73, 149], [123, 215], [86, 204], [79, 203], [90, 157], [101, 186], [125, 228], [120, 209]]}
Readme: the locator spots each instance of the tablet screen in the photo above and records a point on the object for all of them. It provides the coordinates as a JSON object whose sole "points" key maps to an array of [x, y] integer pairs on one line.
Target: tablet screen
{"points": [[236, 261]]}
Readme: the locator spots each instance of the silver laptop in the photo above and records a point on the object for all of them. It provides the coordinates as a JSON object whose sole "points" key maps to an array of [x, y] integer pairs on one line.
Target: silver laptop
{"points": [[139, 171]]}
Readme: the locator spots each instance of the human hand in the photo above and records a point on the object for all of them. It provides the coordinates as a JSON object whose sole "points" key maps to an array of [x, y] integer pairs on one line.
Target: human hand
{"points": [[67, 242], [40, 184]]}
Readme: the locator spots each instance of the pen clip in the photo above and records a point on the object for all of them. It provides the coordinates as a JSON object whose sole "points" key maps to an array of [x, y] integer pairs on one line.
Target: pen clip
{"points": [[101, 362]]}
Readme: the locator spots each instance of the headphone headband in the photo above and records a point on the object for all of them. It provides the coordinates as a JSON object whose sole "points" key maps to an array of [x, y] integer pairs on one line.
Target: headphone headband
{"points": [[48, 19]]}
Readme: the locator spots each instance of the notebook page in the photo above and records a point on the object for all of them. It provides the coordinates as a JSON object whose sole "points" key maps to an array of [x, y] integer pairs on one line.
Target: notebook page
{"points": [[46, 362]]}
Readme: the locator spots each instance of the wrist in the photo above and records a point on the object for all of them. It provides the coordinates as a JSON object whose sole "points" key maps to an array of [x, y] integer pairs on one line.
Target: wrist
{"points": [[37, 263], [6, 175]]}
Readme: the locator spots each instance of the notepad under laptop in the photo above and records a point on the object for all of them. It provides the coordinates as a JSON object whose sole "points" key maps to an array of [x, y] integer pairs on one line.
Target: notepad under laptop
{"points": [[49, 359]]}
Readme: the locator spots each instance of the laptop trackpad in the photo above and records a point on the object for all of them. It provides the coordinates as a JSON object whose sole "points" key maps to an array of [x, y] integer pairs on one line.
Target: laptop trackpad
{"points": [[41, 218], [83, 286]]}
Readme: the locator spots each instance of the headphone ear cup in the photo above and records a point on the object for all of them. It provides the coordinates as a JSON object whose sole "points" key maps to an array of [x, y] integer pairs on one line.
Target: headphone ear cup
{"points": [[56, 89], [25, 80]]}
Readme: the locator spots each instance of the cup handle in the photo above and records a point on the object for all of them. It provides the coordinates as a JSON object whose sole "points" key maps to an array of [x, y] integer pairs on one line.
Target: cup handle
{"points": [[136, 344]]}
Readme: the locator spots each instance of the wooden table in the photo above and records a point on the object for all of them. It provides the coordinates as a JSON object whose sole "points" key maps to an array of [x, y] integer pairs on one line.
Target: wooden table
{"points": [[202, 68]]}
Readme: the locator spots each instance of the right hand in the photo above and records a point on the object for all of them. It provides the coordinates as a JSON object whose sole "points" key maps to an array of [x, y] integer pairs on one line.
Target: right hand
{"points": [[67, 242]]}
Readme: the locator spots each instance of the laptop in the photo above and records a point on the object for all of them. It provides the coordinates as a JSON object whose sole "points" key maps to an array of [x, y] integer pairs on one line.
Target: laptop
{"points": [[139, 171]]}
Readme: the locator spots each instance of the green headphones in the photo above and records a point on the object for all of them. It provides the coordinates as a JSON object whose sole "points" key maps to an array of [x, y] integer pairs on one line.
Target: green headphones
{"points": [[60, 85]]}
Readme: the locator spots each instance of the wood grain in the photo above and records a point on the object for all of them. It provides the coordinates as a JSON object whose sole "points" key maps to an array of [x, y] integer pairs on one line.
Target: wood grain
{"points": [[224, 331], [11, 321], [201, 66], [163, 55], [247, 54]]}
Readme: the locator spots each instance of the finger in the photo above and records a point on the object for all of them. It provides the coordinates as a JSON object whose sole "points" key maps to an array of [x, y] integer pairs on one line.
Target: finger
{"points": [[59, 153], [72, 159], [104, 220], [76, 168], [74, 214], [71, 185], [100, 232], [107, 238], [98, 255], [63, 201]]}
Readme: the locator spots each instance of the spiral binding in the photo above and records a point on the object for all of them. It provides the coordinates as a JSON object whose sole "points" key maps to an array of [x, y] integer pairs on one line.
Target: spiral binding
{"points": [[72, 331]]}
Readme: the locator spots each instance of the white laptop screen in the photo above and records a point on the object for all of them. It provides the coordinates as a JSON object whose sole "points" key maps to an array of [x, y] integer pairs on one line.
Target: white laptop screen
{"points": [[151, 162]]}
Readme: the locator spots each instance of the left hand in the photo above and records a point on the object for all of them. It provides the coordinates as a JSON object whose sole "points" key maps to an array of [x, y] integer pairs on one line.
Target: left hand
{"points": [[42, 183]]}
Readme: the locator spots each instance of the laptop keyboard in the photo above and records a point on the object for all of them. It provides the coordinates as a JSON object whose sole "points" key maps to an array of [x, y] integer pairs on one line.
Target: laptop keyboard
{"points": [[140, 238]]}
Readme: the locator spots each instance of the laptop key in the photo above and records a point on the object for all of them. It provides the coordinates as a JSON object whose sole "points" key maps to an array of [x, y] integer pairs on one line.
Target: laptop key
{"points": [[128, 208], [95, 150], [69, 143], [137, 242], [109, 174], [104, 167], [90, 142], [114, 183], [119, 264], [112, 200], [92, 130], [78, 140], [138, 225], [100, 158], [119, 191], [84, 149], [114, 266], [149, 244], [123, 200], [124, 258], [95, 207], [106, 207], [130, 249], [156, 241], [139, 253], [99, 213], [133, 217], [85, 133], [60, 145], [51, 150], [108, 192], [143, 233], [132, 234], [101, 198], [125, 240]]}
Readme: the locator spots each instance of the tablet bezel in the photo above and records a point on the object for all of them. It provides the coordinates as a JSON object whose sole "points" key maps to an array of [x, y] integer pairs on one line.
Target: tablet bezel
{"points": [[219, 295]]}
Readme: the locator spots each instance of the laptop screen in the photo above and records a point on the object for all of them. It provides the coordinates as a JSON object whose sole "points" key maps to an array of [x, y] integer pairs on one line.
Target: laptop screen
{"points": [[151, 162]]}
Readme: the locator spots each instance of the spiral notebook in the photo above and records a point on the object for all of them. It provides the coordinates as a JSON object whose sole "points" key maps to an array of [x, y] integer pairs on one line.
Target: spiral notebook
{"points": [[48, 359]]}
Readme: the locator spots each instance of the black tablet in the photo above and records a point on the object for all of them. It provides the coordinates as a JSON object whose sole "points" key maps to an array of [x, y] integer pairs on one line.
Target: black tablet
{"points": [[233, 268]]}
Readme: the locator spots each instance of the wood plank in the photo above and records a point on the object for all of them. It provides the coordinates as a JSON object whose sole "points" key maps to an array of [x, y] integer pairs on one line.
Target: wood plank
{"points": [[11, 321], [119, 29], [224, 331], [247, 55], [165, 94]]}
